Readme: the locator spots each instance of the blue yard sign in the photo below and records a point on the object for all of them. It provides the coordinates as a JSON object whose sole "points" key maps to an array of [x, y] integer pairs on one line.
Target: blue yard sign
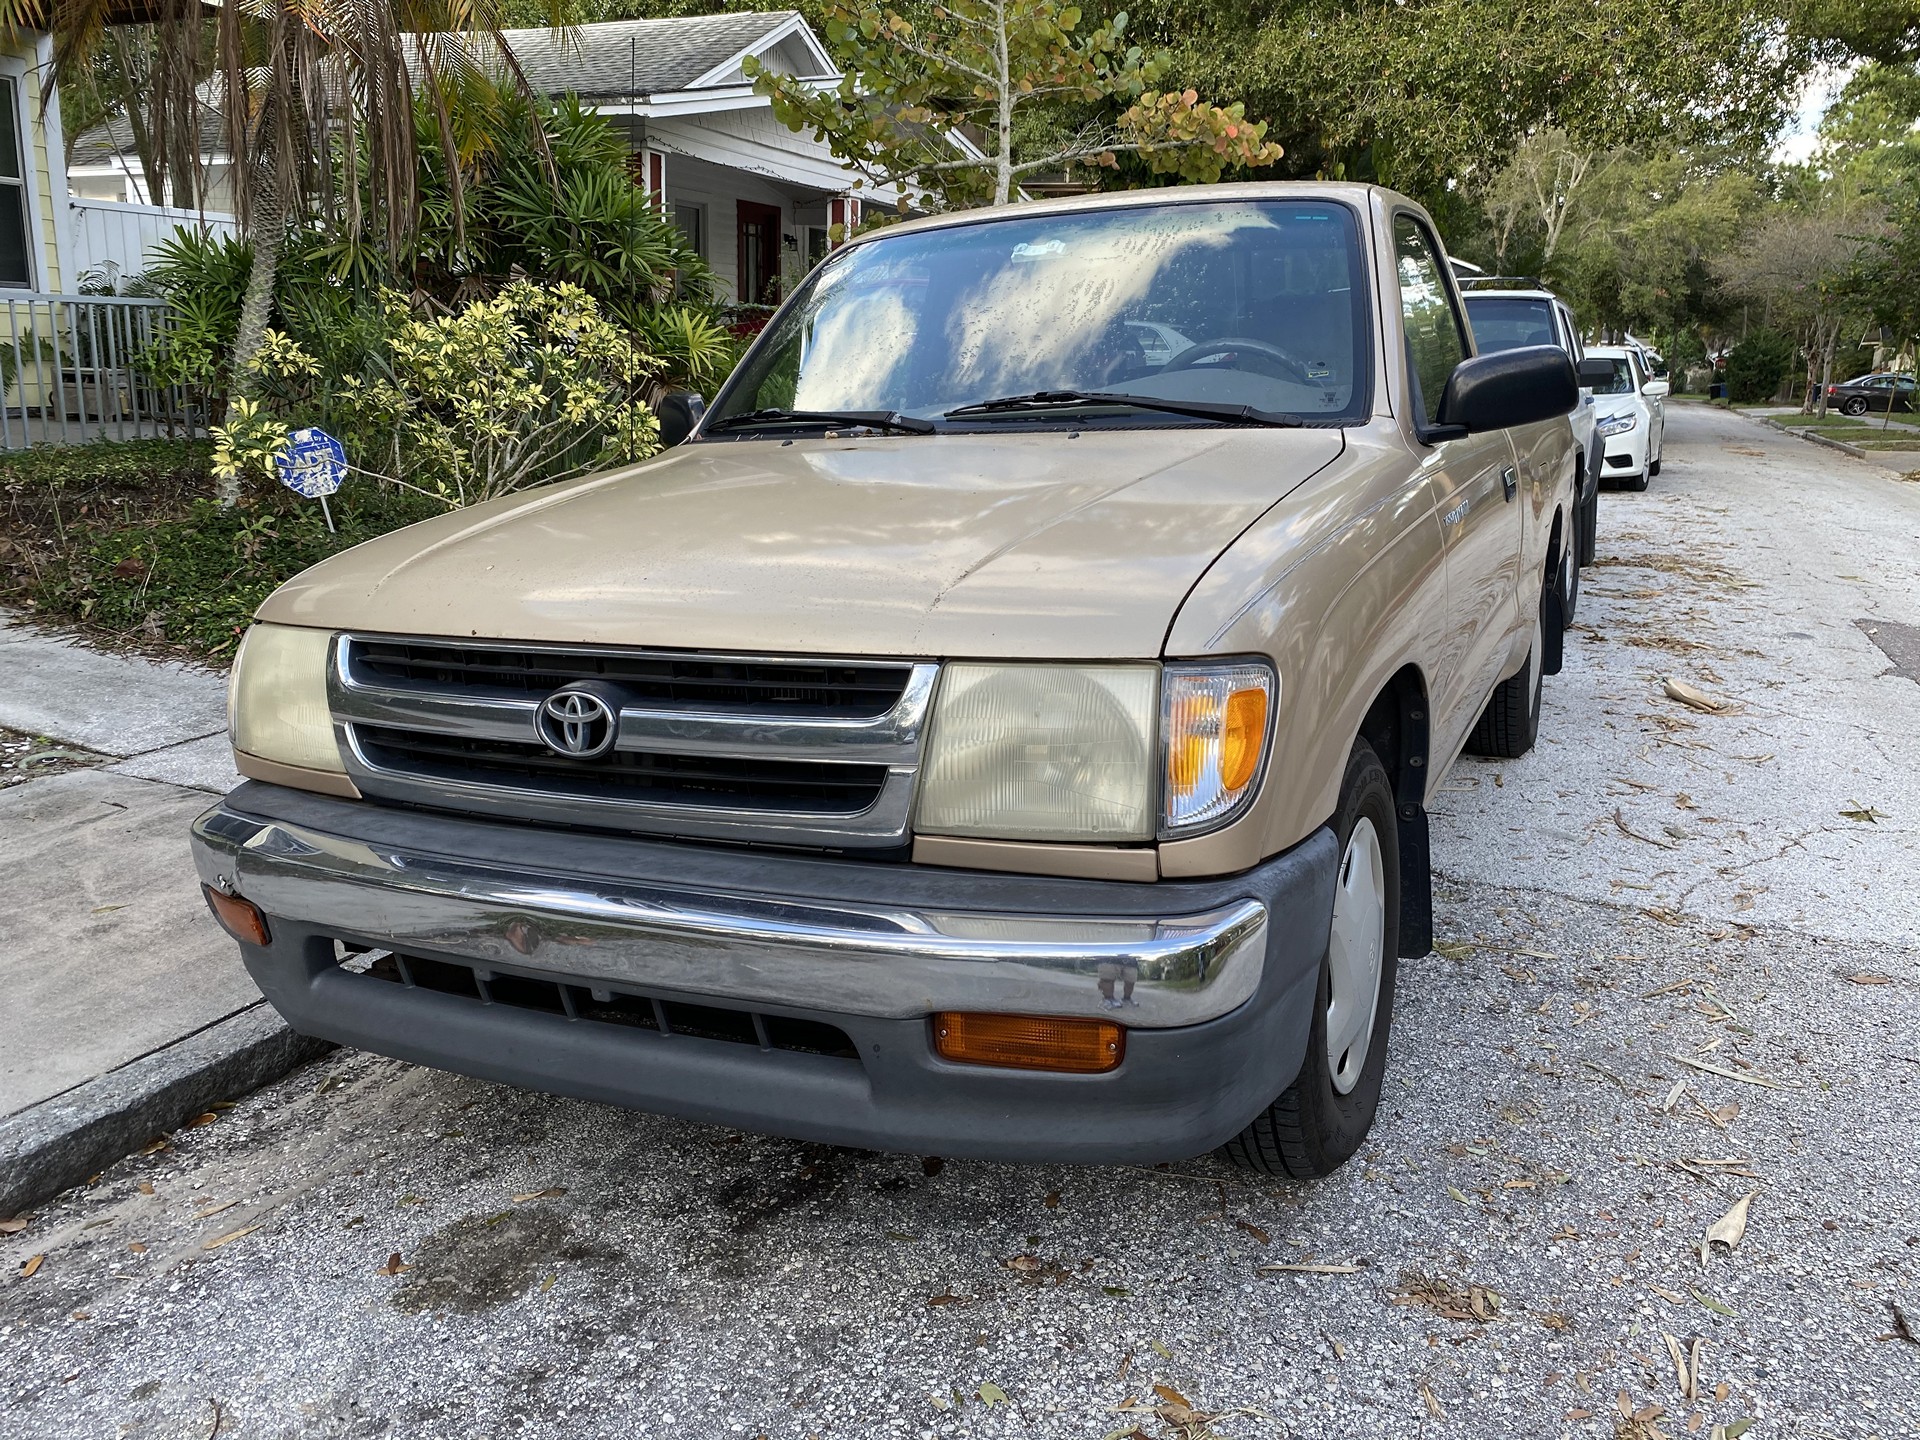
{"points": [[313, 464]]}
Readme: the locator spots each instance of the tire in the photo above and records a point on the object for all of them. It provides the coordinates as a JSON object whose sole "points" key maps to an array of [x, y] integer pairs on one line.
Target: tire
{"points": [[1321, 1119], [1854, 405], [1653, 466], [1510, 724], [1635, 482]]}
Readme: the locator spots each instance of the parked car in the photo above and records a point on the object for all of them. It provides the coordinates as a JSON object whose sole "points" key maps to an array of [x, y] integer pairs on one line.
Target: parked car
{"points": [[1883, 391], [968, 738], [1633, 414], [1508, 313]]}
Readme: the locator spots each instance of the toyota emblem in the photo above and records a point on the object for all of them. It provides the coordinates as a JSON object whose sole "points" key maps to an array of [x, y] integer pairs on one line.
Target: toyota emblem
{"points": [[578, 724]]}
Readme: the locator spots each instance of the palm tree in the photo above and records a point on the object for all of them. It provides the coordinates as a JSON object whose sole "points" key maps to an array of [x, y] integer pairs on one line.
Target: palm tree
{"points": [[312, 100]]}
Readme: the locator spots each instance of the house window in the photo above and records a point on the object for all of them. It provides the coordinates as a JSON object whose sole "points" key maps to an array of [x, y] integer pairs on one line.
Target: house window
{"points": [[817, 245], [692, 220], [16, 263]]}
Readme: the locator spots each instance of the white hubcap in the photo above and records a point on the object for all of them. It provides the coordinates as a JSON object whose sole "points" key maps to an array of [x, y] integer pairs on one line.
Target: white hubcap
{"points": [[1354, 956]]}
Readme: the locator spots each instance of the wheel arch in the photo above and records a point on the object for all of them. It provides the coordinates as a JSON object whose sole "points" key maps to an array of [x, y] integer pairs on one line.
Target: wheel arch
{"points": [[1398, 728]]}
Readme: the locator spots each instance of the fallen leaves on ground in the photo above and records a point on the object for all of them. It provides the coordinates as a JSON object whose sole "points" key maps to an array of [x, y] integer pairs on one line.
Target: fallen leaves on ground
{"points": [[1865, 814], [1695, 698], [1867, 977], [15, 1225], [1729, 1230], [394, 1265], [228, 1238], [1307, 1269], [32, 1266], [1472, 1304], [552, 1192], [991, 1394]]}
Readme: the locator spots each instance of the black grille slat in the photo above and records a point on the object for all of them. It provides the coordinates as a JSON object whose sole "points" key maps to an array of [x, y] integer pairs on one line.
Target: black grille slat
{"points": [[818, 689], [698, 780], [577, 1001]]}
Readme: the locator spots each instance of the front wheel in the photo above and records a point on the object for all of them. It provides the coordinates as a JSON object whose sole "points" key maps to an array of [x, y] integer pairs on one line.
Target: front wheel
{"points": [[1322, 1118]]}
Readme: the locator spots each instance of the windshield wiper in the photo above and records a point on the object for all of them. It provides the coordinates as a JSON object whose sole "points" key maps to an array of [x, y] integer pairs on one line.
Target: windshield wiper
{"points": [[871, 419], [1053, 399]]}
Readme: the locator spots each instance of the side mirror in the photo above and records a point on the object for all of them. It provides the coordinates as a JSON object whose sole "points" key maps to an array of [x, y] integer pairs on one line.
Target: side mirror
{"points": [[1596, 372], [678, 412], [1507, 388], [1655, 387]]}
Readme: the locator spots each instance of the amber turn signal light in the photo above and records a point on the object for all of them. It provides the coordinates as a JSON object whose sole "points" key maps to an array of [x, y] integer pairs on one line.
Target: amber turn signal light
{"points": [[239, 918], [1029, 1042]]}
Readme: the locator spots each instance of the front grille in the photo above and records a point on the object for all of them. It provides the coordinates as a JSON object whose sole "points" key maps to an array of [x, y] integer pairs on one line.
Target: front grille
{"points": [[672, 681], [677, 780], [799, 751], [583, 1001]]}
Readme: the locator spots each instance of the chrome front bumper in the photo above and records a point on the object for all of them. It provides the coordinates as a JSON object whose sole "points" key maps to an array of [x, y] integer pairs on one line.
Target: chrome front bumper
{"points": [[885, 961]]}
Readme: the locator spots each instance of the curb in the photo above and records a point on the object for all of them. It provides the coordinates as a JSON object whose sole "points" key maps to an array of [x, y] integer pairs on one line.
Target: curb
{"points": [[1800, 431], [68, 1139]]}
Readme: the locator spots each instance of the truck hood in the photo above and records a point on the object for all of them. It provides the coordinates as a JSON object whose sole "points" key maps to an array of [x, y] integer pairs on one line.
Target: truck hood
{"points": [[1026, 545]]}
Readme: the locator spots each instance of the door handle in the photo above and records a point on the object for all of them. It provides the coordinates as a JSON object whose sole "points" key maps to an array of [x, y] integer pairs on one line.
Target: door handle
{"points": [[1510, 481]]}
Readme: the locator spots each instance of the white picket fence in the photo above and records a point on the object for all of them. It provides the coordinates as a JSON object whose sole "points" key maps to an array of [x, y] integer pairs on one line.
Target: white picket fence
{"points": [[114, 240]]}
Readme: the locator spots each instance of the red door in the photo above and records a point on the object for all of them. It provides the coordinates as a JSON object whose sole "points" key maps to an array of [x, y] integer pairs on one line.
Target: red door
{"points": [[759, 253]]}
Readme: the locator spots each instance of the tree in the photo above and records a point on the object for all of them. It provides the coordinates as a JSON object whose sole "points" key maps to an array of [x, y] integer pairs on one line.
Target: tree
{"points": [[1434, 95], [317, 102], [1804, 268], [931, 99]]}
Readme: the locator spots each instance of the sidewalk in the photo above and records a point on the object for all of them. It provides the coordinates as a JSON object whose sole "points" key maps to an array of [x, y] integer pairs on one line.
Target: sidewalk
{"points": [[128, 1009]]}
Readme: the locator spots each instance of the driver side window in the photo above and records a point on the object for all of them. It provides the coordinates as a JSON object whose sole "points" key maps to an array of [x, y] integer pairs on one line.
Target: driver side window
{"points": [[1435, 343]]}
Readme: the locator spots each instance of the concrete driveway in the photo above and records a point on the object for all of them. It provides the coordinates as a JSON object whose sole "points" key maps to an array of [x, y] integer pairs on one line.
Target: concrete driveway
{"points": [[1679, 965]]}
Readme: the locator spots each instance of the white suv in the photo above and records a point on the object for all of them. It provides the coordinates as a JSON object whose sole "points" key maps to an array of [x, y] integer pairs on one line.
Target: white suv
{"points": [[1507, 314]]}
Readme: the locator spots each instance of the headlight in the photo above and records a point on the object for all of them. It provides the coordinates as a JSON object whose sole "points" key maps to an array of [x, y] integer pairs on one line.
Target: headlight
{"points": [[277, 698], [1069, 752], [1618, 424], [1214, 740], [1042, 752]]}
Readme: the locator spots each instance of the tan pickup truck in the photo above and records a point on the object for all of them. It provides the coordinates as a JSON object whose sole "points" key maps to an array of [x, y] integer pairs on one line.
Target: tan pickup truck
{"points": [[1001, 725]]}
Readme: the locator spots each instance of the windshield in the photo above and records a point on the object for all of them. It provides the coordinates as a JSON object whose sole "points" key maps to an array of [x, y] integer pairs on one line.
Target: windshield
{"points": [[1509, 322], [1622, 381], [1250, 303]]}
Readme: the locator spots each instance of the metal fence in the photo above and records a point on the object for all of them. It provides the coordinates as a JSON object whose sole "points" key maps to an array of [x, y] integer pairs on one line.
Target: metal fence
{"points": [[72, 371]]}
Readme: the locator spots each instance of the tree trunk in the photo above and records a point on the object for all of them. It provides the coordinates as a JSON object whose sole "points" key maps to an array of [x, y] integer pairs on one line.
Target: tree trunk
{"points": [[1826, 366], [267, 234], [1003, 162]]}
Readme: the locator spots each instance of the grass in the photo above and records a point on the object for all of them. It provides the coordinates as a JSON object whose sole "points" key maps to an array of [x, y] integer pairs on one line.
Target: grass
{"points": [[123, 541]]}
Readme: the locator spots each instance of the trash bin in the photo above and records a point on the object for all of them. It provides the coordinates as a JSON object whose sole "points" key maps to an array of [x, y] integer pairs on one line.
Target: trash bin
{"points": [[1717, 390]]}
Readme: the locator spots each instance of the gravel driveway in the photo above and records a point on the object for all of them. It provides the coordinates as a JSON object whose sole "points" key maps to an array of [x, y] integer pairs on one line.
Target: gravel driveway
{"points": [[1679, 966]]}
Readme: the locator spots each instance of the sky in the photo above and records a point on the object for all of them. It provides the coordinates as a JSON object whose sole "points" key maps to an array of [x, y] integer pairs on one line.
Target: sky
{"points": [[1820, 89]]}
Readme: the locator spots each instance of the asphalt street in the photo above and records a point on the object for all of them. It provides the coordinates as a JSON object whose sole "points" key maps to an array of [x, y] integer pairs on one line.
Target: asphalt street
{"points": [[1679, 964]]}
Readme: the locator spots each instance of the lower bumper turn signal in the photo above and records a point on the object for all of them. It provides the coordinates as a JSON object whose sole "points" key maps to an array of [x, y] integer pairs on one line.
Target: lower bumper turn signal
{"points": [[1029, 1042], [239, 918]]}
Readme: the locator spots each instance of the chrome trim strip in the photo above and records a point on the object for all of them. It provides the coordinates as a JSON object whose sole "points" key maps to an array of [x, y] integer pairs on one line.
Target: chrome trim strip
{"points": [[892, 739], [843, 957], [889, 738]]}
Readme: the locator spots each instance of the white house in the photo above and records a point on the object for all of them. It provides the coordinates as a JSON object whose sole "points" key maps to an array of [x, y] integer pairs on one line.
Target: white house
{"points": [[756, 199]]}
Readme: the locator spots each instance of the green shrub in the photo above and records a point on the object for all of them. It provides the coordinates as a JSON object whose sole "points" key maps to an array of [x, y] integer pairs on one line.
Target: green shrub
{"points": [[531, 385], [122, 540], [1758, 365]]}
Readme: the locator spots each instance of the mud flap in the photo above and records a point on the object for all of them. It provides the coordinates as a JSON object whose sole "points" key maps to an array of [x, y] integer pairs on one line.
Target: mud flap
{"points": [[1416, 883], [1553, 627]]}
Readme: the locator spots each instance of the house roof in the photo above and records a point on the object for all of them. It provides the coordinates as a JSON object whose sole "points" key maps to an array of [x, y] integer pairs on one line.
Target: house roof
{"points": [[616, 59]]}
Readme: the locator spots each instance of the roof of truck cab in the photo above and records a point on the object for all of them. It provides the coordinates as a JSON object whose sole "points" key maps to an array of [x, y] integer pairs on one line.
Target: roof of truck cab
{"points": [[1346, 192]]}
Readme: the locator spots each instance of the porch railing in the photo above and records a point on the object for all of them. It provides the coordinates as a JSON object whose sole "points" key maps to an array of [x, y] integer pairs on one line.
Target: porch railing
{"points": [[72, 373]]}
